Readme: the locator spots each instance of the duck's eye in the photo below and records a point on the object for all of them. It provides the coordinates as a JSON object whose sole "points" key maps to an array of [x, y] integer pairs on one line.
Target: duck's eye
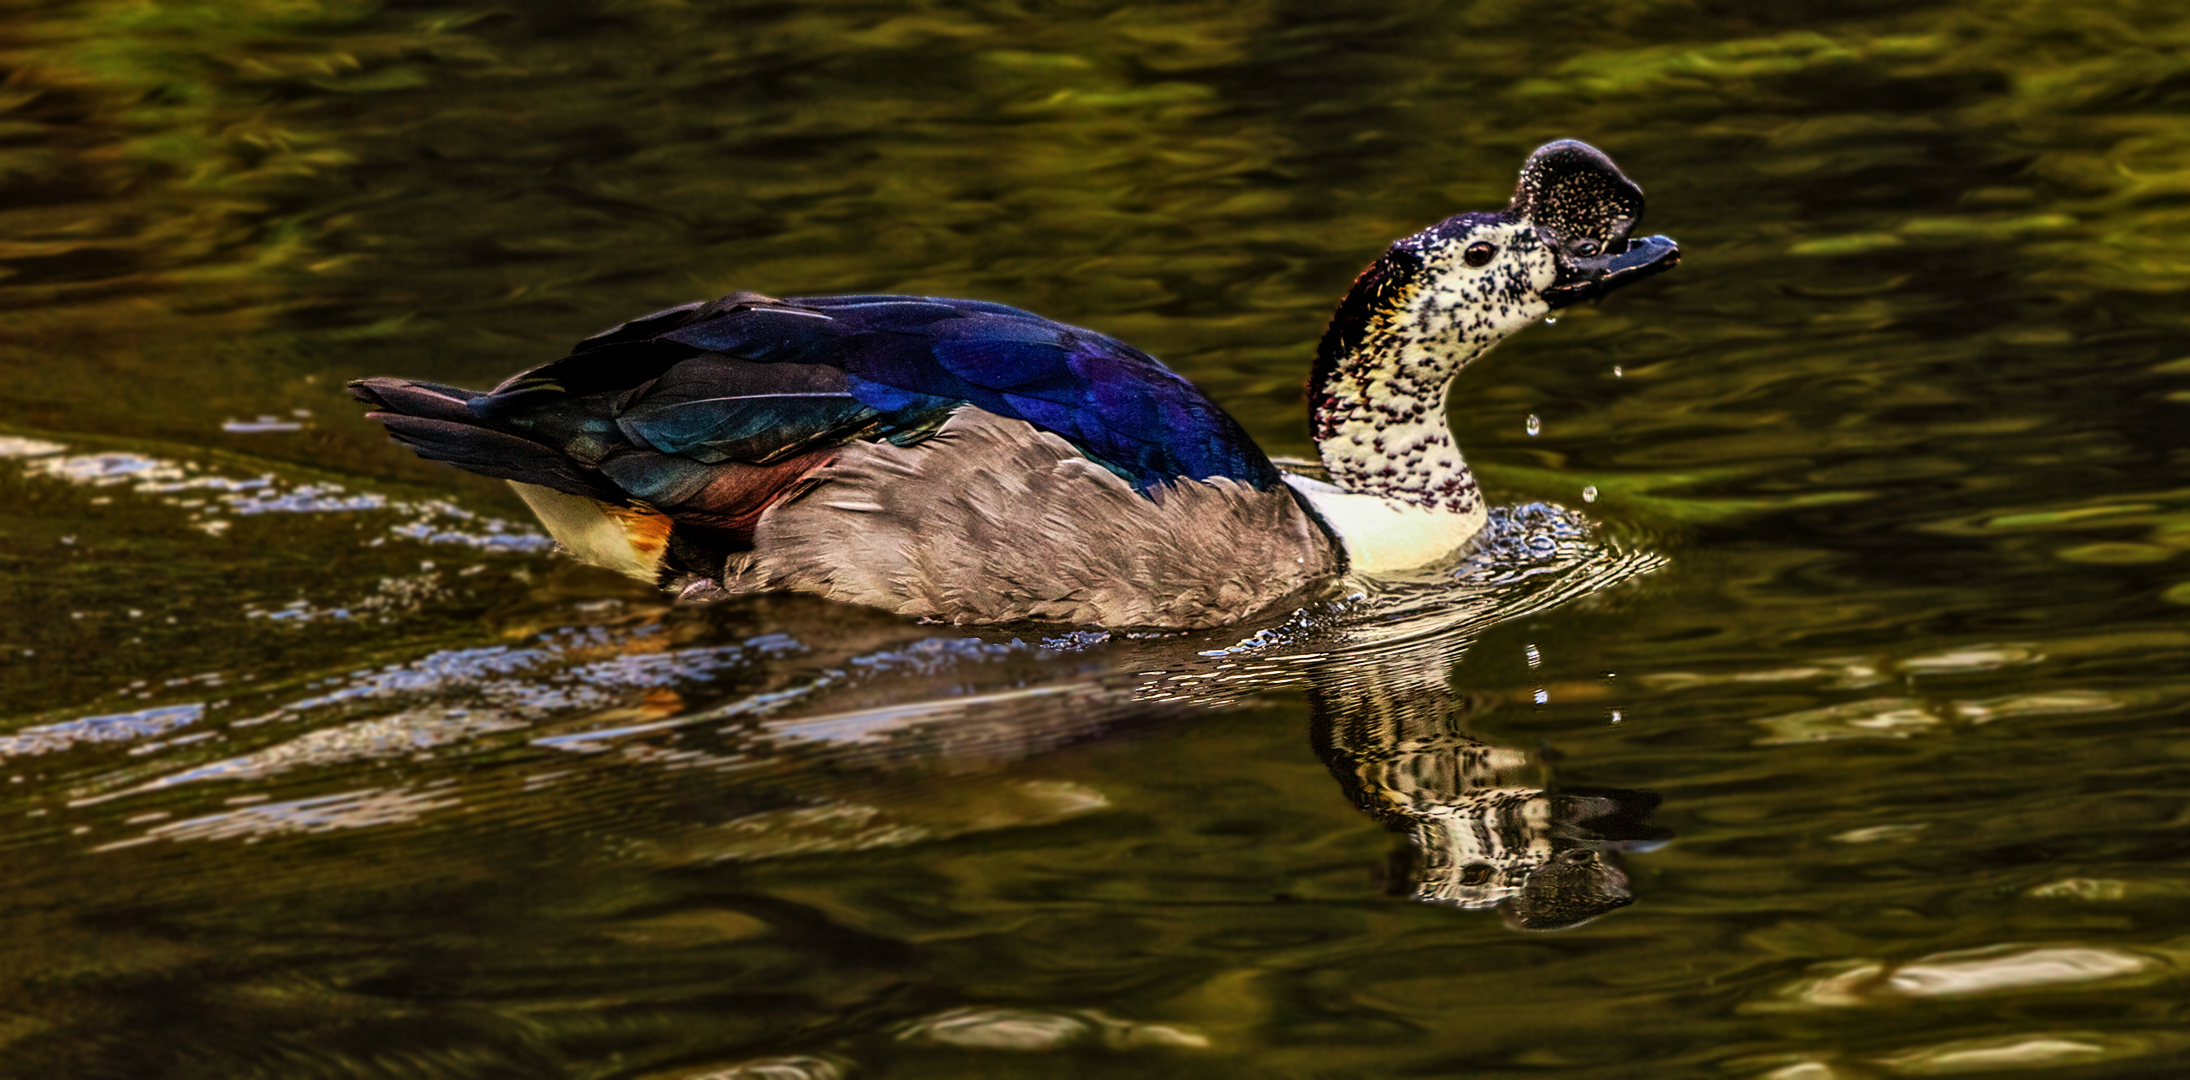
{"points": [[1479, 253], [1587, 249]]}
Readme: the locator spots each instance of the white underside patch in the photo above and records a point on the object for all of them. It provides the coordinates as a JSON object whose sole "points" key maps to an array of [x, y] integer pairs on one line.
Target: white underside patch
{"points": [[589, 531], [1382, 535]]}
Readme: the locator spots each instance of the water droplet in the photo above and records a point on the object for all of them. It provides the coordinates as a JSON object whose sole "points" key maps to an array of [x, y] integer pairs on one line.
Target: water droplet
{"points": [[1543, 696], [1616, 716], [1619, 372], [1535, 659], [1589, 494], [1551, 320], [1534, 425]]}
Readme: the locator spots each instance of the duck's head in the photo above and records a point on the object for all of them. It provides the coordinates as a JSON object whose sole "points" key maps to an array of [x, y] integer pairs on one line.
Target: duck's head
{"points": [[1441, 297]]}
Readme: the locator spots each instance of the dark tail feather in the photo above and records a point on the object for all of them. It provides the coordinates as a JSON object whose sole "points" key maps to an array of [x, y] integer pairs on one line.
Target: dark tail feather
{"points": [[466, 445], [434, 401], [436, 421]]}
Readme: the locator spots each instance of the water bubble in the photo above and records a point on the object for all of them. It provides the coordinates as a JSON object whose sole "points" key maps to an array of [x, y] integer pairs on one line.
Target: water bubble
{"points": [[1589, 494], [1534, 425], [1619, 372]]}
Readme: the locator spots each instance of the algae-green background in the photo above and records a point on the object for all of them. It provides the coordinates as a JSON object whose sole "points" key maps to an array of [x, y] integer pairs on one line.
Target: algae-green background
{"points": [[1907, 425]]}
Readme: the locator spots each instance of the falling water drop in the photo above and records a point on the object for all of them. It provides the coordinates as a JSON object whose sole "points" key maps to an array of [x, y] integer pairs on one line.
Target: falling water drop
{"points": [[1534, 425], [1543, 697], [1619, 372], [1535, 659], [1589, 494], [1616, 716]]}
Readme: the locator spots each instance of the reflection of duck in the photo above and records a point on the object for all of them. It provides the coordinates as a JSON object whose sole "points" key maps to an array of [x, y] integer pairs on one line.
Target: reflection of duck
{"points": [[1482, 829], [975, 463]]}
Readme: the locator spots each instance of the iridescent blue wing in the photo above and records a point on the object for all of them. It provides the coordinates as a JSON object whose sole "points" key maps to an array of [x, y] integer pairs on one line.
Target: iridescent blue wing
{"points": [[907, 354]]}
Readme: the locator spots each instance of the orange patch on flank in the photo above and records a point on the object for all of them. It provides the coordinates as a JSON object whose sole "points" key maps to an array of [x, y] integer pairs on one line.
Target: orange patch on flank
{"points": [[646, 530]]}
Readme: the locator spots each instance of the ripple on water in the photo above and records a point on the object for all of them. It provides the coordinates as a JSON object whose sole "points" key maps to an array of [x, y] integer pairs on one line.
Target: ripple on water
{"points": [[112, 728], [209, 494], [325, 813], [1901, 718], [2038, 1050], [1851, 983], [1030, 1031], [799, 1067]]}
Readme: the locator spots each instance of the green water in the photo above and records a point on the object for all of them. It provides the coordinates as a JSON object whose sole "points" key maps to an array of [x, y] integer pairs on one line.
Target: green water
{"points": [[1867, 674]]}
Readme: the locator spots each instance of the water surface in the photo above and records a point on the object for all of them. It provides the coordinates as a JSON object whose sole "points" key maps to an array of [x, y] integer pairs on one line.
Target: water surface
{"points": [[1839, 731]]}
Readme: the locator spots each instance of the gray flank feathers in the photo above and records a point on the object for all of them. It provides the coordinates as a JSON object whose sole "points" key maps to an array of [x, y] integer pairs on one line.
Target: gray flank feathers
{"points": [[993, 520]]}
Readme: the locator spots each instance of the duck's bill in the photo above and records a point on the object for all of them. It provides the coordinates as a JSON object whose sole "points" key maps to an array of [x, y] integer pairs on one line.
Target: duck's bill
{"points": [[1588, 279]]}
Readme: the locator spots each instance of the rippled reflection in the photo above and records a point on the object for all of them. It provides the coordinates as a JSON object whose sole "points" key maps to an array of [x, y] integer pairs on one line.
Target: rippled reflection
{"points": [[1481, 828]]}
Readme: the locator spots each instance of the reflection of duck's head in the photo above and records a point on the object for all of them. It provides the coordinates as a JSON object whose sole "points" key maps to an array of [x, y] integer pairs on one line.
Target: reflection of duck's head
{"points": [[1546, 858], [1482, 830], [1575, 886]]}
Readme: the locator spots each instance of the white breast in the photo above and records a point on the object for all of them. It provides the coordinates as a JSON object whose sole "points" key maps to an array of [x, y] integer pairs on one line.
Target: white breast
{"points": [[1382, 535]]}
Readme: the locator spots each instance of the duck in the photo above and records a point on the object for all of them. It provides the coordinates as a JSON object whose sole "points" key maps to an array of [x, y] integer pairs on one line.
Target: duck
{"points": [[966, 462]]}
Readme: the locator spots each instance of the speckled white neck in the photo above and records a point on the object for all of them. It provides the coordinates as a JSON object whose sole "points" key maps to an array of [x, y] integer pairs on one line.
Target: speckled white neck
{"points": [[1394, 442], [1380, 419]]}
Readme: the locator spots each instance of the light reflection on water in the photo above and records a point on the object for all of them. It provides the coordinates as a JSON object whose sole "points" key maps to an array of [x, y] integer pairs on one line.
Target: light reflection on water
{"points": [[190, 486]]}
